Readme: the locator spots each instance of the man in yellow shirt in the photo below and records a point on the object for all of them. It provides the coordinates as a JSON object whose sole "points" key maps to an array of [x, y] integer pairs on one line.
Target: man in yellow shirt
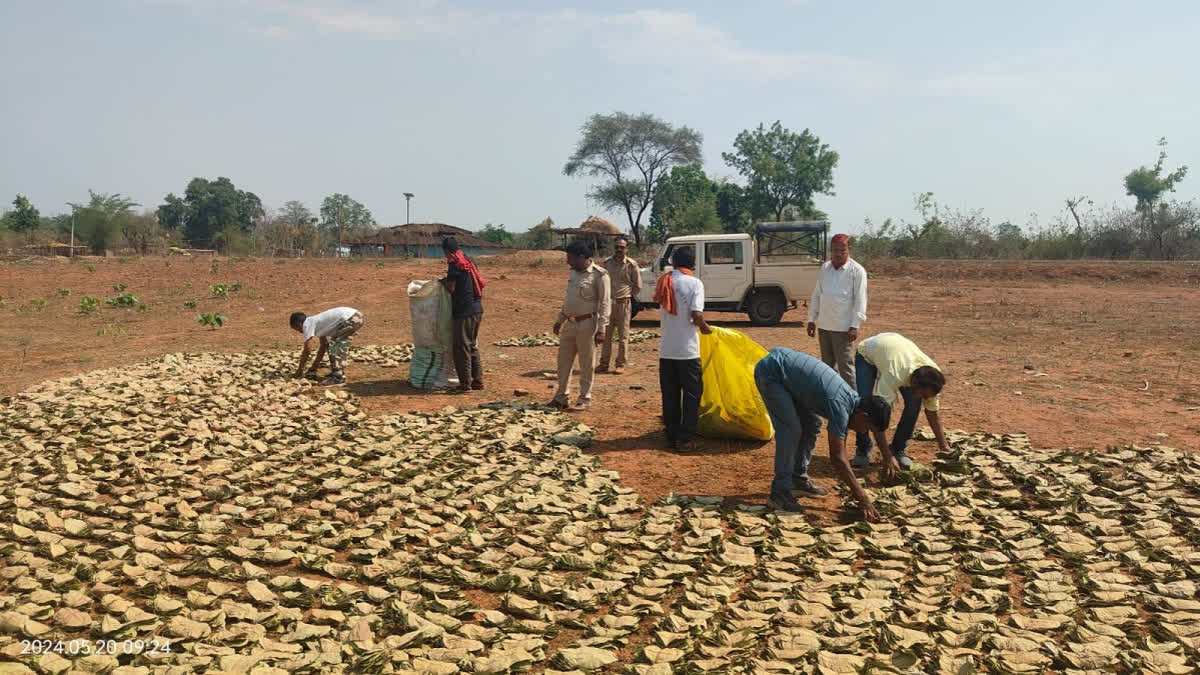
{"points": [[893, 367]]}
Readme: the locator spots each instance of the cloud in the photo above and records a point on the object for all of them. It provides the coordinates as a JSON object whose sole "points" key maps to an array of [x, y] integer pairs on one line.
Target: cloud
{"points": [[682, 39], [664, 42], [1055, 87], [274, 32]]}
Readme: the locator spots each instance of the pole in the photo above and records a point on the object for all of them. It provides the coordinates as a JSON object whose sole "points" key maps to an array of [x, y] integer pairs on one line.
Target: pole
{"points": [[72, 253]]}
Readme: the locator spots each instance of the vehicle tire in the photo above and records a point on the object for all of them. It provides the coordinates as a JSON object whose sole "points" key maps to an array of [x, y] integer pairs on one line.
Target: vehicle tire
{"points": [[766, 307]]}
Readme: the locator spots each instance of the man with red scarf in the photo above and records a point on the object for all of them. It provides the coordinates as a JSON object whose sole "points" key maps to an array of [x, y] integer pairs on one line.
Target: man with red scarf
{"points": [[466, 292]]}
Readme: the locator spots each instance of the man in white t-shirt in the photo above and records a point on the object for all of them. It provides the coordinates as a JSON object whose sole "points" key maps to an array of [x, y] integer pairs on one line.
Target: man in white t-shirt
{"points": [[332, 330], [681, 299]]}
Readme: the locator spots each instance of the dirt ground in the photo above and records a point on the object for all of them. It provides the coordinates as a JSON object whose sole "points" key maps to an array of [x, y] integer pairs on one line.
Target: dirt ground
{"points": [[1075, 354]]}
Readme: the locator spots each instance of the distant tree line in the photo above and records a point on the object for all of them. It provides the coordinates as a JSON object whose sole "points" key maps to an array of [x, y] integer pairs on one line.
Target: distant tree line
{"points": [[210, 214], [1154, 228]]}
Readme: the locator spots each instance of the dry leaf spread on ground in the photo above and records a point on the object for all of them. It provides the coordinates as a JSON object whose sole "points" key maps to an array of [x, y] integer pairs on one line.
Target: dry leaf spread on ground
{"points": [[549, 340], [257, 524]]}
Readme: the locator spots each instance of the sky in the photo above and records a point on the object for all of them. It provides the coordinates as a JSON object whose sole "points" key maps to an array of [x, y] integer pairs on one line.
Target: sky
{"points": [[474, 107]]}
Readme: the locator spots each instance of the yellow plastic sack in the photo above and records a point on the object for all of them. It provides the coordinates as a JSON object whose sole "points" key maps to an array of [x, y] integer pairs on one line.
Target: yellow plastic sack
{"points": [[731, 406]]}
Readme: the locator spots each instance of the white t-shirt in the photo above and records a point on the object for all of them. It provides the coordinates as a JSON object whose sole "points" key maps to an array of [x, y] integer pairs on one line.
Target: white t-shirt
{"points": [[323, 324], [680, 337]]}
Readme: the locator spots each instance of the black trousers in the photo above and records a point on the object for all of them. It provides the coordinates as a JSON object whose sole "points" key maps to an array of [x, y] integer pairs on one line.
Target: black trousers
{"points": [[681, 390]]}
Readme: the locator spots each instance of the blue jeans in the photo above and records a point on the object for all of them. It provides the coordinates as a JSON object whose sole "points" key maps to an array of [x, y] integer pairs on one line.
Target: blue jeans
{"points": [[865, 376], [796, 430]]}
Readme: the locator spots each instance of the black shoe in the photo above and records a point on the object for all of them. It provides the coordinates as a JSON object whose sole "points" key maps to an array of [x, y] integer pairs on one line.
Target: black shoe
{"points": [[807, 489], [332, 381], [782, 501]]}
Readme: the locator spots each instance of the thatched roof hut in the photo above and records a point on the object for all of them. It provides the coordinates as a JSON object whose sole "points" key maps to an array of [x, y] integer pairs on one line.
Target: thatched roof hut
{"points": [[421, 240], [595, 230]]}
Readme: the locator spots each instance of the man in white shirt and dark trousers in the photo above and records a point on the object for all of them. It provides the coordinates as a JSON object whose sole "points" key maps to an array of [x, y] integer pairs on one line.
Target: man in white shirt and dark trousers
{"points": [[680, 295], [838, 307]]}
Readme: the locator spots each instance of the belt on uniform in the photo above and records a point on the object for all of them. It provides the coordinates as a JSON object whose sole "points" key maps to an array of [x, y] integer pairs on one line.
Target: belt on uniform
{"points": [[581, 317], [622, 301]]}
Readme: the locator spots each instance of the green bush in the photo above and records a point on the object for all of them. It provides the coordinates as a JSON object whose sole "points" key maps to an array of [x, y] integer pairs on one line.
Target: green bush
{"points": [[123, 300], [88, 304], [219, 290], [213, 321], [64, 292], [190, 304]]}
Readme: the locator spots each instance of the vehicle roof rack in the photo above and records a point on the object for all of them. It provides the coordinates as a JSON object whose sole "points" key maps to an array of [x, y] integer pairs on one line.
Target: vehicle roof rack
{"points": [[813, 226]]}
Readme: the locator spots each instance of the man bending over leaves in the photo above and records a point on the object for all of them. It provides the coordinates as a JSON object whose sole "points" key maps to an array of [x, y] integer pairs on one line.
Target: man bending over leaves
{"points": [[799, 390], [333, 329]]}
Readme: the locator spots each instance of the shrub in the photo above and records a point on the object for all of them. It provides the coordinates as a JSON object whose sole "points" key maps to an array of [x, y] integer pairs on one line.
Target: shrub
{"points": [[64, 292], [123, 300], [213, 321], [88, 304], [91, 267], [118, 287], [219, 290], [190, 304]]}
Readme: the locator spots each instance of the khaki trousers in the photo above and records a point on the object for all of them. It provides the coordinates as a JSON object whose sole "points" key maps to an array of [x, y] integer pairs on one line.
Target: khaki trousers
{"points": [[577, 338], [618, 324], [837, 351]]}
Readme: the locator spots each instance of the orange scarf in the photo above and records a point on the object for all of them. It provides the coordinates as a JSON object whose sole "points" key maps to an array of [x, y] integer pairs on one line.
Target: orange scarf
{"points": [[664, 290]]}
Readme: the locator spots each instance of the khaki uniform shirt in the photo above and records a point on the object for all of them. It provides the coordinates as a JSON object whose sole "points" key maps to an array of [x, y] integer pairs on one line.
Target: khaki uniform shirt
{"points": [[588, 292], [625, 278]]}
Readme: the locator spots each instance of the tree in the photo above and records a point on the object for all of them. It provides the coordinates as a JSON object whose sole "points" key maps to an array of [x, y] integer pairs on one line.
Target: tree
{"points": [[1148, 186], [539, 237], [24, 217], [783, 168], [292, 228], [99, 221], [139, 230], [172, 214], [341, 215], [684, 203], [497, 235], [733, 207], [211, 208], [631, 153]]}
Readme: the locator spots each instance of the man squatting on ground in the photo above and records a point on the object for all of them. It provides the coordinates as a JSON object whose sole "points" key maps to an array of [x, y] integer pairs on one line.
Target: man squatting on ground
{"points": [[580, 324], [892, 366], [798, 391], [680, 297], [838, 307], [466, 293], [332, 330], [626, 282]]}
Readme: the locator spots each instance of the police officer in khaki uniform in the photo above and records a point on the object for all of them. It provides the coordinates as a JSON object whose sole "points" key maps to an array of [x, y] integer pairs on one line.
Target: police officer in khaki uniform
{"points": [[626, 283], [580, 324]]}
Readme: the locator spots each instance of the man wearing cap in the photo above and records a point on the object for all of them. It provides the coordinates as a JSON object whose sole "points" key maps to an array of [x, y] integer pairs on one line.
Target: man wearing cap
{"points": [[892, 366], [580, 324], [838, 307], [626, 282]]}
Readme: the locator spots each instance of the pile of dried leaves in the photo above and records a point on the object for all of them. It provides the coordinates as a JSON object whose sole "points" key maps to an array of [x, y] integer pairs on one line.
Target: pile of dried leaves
{"points": [[262, 525], [549, 340]]}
